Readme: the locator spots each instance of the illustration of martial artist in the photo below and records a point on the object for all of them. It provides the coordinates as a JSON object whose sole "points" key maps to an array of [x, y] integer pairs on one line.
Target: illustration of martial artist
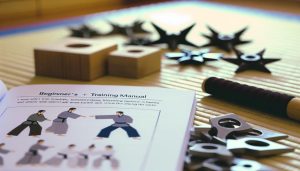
{"points": [[3, 151], [84, 156], [33, 123], [69, 155], [121, 121], [59, 125], [108, 155], [33, 157]]}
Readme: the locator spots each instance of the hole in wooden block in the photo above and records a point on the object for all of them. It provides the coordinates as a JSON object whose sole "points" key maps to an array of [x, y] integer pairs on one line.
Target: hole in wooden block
{"points": [[135, 51], [78, 45]]}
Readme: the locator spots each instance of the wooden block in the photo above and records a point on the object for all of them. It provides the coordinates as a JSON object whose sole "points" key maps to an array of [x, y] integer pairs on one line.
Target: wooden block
{"points": [[134, 61], [73, 58]]}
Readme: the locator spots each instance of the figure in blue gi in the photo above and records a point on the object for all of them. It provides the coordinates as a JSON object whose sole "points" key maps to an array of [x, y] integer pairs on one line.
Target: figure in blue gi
{"points": [[121, 121]]}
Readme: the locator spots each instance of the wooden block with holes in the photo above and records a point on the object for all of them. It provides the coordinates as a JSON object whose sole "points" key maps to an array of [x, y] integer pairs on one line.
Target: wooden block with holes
{"points": [[134, 61], [73, 58]]}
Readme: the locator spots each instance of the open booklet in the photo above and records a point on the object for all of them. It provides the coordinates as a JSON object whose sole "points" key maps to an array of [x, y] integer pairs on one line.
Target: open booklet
{"points": [[90, 127]]}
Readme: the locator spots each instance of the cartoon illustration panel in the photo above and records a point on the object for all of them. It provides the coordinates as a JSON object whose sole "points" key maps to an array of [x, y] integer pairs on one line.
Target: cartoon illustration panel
{"points": [[76, 138]]}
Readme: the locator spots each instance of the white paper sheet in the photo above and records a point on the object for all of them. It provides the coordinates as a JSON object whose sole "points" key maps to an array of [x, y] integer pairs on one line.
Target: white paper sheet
{"points": [[161, 117], [3, 90]]}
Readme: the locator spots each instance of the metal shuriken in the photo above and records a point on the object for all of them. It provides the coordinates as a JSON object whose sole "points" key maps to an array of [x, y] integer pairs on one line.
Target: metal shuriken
{"points": [[84, 31], [251, 61], [225, 42], [127, 30], [172, 40], [195, 57], [135, 40]]}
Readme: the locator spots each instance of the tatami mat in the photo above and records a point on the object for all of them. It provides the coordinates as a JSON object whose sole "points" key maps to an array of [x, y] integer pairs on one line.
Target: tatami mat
{"points": [[278, 33]]}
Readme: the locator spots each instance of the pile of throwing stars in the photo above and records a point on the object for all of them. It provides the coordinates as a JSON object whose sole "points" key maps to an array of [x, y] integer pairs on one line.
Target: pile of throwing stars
{"points": [[230, 143], [137, 35]]}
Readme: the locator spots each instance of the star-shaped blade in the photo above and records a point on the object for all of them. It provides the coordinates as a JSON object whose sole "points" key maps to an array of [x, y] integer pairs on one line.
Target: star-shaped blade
{"points": [[251, 61], [137, 27], [225, 42], [174, 55], [190, 60], [138, 41], [196, 57], [172, 40], [84, 31], [212, 56], [127, 30]]}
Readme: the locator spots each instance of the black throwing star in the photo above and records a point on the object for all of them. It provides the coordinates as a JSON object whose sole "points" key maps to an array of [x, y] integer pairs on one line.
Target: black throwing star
{"points": [[225, 42], [84, 31], [195, 57], [251, 61], [138, 41], [127, 30], [172, 40]]}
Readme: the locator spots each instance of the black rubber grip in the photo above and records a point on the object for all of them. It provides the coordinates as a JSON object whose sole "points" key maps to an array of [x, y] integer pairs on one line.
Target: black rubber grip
{"points": [[258, 98]]}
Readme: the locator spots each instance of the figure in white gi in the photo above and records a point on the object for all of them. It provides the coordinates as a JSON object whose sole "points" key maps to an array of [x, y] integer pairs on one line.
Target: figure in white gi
{"points": [[85, 155], [107, 155], [60, 125], [33, 156], [3, 151], [69, 155]]}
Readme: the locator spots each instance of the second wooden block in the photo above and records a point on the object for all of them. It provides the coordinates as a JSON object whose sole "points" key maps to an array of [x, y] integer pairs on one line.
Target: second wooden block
{"points": [[134, 61]]}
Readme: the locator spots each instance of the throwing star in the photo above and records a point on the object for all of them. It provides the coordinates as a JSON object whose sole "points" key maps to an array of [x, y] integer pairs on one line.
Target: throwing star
{"points": [[84, 31], [225, 42], [172, 40], [128, 30], [251, 61], [196, 57], [138, 41]]}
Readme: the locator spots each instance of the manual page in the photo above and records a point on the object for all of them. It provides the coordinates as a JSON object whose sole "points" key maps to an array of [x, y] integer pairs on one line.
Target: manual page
{"points": [[86, 127]]}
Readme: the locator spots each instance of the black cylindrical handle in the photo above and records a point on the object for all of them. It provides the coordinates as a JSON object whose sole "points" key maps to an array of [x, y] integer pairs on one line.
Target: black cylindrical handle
{"points": [[261, 99]]}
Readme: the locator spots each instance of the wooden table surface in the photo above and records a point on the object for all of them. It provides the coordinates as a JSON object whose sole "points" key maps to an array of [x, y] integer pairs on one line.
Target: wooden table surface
{"points": [[277, 32]]}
